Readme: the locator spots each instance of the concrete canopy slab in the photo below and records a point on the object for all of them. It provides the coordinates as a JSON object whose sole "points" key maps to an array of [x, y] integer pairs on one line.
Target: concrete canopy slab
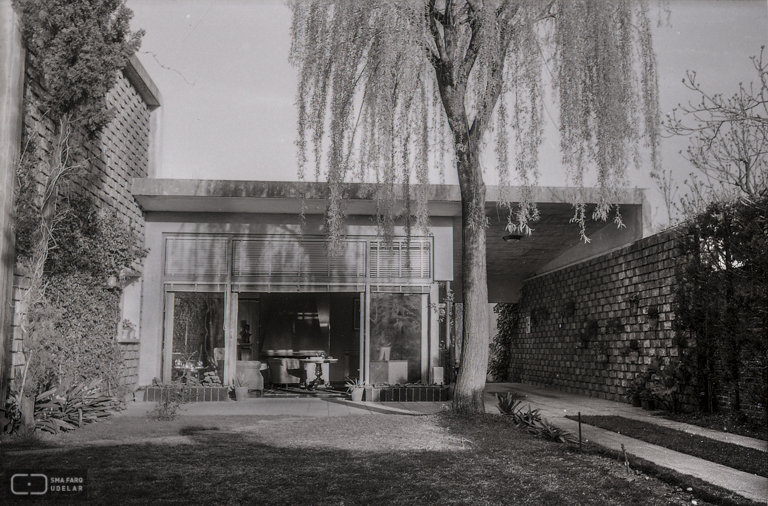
{"points": [[555, 241]]}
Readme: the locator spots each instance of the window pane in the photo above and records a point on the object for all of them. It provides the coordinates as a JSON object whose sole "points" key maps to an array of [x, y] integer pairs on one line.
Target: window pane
{"points": [[395, 337], [198, 334]]}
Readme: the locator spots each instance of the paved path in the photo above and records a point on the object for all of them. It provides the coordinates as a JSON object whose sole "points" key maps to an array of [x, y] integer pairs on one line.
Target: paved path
{"points": [[556, 405], [552, 404]]}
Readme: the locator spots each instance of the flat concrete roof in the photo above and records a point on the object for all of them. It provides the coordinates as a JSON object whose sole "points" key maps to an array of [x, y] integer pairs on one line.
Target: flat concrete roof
{"points": [[279, 197], [555, 242]]}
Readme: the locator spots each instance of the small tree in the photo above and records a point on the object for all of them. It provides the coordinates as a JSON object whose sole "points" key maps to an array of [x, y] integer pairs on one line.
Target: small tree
{"points": [[728, 142], [398, 83], [75, 48]]}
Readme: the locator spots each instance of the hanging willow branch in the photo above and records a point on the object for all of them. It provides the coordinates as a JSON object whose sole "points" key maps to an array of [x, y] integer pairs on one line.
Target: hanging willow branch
{"points": [[376, 80]]}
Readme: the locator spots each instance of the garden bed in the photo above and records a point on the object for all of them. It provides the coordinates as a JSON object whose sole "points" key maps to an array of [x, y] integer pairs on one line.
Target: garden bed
{"points": [[410, 394], [191, 394], [724, 422], [738, 457]]}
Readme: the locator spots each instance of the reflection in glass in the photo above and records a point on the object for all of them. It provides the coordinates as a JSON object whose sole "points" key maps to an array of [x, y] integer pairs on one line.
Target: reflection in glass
{"points": [[198, 334], [396, 330]]}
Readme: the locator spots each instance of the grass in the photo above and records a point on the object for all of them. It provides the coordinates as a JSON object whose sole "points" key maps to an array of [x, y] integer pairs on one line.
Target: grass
{"points": [[353, 460], [734, 456]]}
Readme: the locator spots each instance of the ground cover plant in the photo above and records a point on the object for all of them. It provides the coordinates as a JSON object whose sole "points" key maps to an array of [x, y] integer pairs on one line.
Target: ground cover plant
{"points": [[366, 459], [738, 457]]}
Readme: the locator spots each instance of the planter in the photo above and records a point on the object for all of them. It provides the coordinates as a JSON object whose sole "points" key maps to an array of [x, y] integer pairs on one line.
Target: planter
{"points": [[357, 394], [190, 394], [649, 404], [372, 394], [636, 402], [241, 393], [414, 394]]}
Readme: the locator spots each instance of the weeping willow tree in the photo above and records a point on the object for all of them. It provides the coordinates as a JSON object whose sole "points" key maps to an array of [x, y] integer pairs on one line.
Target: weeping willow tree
{"points": [[390, 90]]}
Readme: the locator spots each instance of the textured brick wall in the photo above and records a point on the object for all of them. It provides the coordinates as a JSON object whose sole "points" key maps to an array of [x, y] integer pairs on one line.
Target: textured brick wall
{"points": [[120, 153], [556, 345], [131, 361], [20, 283]]}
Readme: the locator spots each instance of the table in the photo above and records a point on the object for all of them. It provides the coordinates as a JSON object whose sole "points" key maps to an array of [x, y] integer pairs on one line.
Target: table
{"points": [[318, 361]]}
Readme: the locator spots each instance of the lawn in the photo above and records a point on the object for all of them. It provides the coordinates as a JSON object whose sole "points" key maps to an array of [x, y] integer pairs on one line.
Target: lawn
{"points": [[734, 456], [351, 460]]}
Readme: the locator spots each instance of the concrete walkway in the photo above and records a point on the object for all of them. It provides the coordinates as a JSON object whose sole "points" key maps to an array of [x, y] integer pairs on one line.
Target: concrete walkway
{"points": [[553, 405]]}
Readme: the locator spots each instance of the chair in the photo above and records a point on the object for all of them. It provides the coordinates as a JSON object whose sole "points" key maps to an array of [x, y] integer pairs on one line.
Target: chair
{"points": [[281, 371], [250, 372]]}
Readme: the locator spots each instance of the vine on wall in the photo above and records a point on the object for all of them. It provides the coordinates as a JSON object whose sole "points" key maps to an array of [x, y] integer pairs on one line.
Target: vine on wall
{"points": [[65, 247], [500, 357], [72, 327]]}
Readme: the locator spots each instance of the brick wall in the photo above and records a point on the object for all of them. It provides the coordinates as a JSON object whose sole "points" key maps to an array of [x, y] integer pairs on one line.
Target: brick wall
{"points": [[558, 342], [119, 154], [131, 361]]}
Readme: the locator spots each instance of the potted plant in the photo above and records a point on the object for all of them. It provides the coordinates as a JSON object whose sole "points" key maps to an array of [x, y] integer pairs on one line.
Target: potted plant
{"points": [[127, 331], [355, 389], [241, 386]]}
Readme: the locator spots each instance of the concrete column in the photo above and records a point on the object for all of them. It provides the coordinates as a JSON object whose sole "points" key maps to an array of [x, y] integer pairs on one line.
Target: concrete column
{"points": [[11, 104]]}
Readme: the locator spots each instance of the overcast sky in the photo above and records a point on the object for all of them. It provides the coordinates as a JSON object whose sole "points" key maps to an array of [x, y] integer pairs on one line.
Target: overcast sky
{"points": [[228, 90]]}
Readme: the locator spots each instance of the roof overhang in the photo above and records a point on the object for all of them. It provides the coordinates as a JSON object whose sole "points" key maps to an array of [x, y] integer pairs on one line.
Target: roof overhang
{"points": [[555, 241]]}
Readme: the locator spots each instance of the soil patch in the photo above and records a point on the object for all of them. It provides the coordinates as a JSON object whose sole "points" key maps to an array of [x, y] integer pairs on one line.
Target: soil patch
{"points": [[724, 422], [738, 457]]}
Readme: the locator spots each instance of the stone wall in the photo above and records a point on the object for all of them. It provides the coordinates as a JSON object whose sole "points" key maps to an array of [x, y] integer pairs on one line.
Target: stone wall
{"points": [[590, 328]]}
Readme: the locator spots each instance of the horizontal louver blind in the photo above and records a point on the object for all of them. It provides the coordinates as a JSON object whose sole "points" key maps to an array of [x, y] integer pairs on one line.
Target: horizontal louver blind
{"points": [[276, 257], [401, 260], [189, 256]]}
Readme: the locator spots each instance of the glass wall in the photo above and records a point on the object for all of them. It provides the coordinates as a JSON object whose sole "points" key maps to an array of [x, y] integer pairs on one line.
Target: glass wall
{"points": [[396, 337], [198, 334]]}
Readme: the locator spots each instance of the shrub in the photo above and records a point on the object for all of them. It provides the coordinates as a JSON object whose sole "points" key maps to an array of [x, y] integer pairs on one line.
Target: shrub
{"points": [[500, 356], [531, 420], [69, 406], [172, 396]]}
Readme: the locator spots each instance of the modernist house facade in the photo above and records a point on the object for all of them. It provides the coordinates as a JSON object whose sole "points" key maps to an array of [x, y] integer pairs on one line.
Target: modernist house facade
{"points": [[236, 273]]}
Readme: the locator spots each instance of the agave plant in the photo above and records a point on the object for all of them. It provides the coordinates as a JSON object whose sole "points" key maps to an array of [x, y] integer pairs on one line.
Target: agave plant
{"points": [[530, 420], [68, 406], [352, 384]]}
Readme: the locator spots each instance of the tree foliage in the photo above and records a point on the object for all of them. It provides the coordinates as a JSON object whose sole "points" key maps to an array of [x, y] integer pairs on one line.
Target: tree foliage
{"points": [[384, 87], [722, 298], [77, 47]]}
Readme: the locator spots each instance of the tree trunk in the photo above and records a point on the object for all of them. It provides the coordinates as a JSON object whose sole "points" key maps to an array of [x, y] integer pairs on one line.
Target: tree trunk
{"points": [[470, 382], [27, 408]]}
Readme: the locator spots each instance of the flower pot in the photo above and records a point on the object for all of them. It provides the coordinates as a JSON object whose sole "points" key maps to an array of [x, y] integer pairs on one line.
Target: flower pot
{"points": [[241, 393], [357, 394], [636, 402]]}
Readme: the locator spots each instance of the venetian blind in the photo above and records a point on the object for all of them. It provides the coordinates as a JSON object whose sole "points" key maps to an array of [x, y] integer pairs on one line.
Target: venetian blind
{"points": [[189, 256], [286, 257], [401, 260]]}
